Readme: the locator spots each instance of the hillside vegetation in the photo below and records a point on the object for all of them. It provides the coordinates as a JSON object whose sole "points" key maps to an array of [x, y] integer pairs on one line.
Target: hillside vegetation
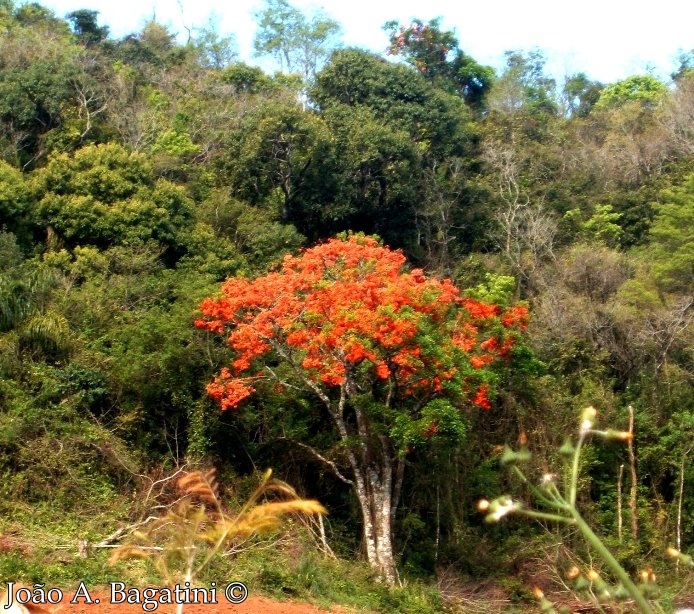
{"points": [[552, 223]]}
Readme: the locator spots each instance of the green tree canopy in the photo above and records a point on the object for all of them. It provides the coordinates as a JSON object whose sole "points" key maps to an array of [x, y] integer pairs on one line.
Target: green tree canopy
{"points": [[645, 89], [275, 154], [390, 126], [672, 238], [395, 94], [86, 26], [14, 195], [103, 195], [580, 94], [39, 76]]}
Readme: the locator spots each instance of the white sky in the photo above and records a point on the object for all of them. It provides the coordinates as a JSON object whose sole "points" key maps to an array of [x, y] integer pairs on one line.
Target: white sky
{"points": [[607, 39]]}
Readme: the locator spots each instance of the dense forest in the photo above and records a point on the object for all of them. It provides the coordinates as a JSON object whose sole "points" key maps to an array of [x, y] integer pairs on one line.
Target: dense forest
{"points": [[138, 174]]}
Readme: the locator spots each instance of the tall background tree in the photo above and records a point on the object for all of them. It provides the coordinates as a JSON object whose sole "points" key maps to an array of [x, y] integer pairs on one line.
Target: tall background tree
{"points": [[298, 43], [436, 54]]}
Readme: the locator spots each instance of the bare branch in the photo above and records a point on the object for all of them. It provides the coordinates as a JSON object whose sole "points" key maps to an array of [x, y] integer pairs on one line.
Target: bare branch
{"points": [[107, 542], [321, 458]]}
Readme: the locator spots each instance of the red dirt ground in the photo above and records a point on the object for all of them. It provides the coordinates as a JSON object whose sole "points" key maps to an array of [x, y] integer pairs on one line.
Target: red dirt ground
{"points": [[253, 605]]}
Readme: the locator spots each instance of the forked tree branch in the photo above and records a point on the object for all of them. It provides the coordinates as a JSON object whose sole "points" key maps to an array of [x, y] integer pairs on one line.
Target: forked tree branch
{"points": [[322, 459]]}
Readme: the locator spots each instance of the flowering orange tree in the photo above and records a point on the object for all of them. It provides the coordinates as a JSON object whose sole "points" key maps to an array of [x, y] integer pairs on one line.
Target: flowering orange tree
{"points": [[395, 358]]}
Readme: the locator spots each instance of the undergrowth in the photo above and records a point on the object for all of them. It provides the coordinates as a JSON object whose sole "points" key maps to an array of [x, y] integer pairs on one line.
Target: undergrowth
{"points": [[40, 544]]}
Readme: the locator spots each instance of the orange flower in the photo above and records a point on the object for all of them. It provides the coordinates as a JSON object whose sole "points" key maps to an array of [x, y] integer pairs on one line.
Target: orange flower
{"points": [[348, 308], [490, 344], [515, 316], [481, 399], [382, 370], [478, 362]]}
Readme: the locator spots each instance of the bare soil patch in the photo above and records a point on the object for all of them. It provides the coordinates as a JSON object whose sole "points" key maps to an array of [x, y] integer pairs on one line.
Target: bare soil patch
{"points": [[252, 605]]}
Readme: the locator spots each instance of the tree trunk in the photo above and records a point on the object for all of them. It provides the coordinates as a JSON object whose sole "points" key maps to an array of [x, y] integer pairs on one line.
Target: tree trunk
{"points": [[633, 492], [376, 490], [374, 493]]}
